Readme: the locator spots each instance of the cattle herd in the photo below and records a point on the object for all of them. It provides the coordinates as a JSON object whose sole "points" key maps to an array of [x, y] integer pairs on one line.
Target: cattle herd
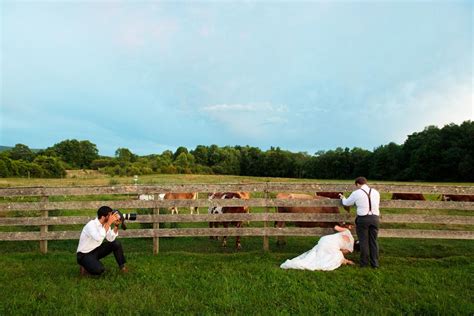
{"points": [[283, 209]]}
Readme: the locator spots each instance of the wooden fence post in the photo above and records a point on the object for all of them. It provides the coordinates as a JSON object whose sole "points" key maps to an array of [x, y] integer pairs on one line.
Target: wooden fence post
{"points": [[44, 228], [156, 240], [266, 246]]}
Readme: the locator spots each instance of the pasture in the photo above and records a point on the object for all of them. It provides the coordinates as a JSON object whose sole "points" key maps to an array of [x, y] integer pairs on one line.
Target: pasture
{"points": [[197, 276]]}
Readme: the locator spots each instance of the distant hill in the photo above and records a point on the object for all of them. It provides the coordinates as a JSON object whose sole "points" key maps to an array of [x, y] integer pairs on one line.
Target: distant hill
{"points": [[4, 148]]}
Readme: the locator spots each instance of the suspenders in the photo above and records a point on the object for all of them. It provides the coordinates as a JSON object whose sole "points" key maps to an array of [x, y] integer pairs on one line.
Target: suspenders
{"points": [[370, 202]]}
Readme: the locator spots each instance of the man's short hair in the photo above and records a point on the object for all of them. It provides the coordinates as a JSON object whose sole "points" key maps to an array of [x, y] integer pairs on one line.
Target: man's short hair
{"points": [[103, 211], [361, 180]]}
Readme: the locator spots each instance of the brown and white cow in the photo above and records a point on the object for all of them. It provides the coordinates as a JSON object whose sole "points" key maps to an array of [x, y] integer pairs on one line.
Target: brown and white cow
{"points": [[215, 209], [408, 196], [180, 196], [457, 197], [229, 209], [297, 209], [221, 195], [333, 195]]}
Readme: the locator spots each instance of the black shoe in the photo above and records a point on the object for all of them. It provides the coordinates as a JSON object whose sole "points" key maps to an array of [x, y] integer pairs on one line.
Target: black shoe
{"points": [[83, 271]]}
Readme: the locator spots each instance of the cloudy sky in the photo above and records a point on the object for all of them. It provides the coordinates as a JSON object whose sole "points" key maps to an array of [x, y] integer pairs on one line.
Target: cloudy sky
{"points": [[305, 76]]}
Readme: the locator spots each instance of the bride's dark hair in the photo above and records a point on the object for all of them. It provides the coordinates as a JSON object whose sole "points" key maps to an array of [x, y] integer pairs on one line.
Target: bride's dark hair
{"points": [[345, 225]]}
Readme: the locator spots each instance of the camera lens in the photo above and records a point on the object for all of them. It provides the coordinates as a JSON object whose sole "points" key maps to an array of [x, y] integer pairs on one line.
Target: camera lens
{"points": [[130, 216]]}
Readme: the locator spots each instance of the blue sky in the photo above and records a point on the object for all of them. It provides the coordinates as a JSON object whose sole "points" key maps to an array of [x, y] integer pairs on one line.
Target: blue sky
{"points": [[304, 76]]}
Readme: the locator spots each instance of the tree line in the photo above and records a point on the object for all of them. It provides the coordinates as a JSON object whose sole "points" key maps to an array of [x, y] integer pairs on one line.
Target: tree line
{"points": [[434, 154]]}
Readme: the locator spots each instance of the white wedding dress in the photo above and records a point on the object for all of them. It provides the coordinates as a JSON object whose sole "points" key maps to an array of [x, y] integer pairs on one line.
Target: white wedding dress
{"points": [[326, 255]]}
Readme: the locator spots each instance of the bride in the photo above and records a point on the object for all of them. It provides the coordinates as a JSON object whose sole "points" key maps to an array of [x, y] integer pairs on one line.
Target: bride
{"points": [[328, 254]]}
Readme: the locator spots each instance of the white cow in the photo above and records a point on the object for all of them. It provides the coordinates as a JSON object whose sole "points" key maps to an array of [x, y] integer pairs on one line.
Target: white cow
{"points": [[146, 197]]}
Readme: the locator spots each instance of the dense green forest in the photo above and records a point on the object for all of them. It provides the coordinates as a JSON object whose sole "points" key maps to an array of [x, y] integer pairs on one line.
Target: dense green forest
{"points": [[435, 154]]}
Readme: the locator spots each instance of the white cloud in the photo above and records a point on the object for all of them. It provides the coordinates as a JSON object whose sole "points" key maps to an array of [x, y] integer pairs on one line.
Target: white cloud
{"points": [[438, 100], [275, 120], [252, 120], [252, 107]]}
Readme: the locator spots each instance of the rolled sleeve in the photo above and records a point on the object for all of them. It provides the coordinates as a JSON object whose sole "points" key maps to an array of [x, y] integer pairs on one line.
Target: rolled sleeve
{"points": [[111, 235], [350, 200]]}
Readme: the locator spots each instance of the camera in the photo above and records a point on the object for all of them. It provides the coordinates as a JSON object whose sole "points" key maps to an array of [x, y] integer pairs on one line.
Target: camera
{"points": [[123, 217]]}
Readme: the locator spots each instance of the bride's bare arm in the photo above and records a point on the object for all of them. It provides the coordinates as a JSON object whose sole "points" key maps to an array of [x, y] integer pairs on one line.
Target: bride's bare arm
{"points": [[347, 261]]}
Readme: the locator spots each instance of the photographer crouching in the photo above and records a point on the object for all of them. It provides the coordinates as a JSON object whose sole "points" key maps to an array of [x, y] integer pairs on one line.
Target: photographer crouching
{"points": [[91, 249]]}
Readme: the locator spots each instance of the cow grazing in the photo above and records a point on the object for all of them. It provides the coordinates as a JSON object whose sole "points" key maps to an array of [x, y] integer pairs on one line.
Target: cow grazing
{"points": [[457, 197], [229, 209], [297, 209], [408, 196], [180, 196], [333, 195]]}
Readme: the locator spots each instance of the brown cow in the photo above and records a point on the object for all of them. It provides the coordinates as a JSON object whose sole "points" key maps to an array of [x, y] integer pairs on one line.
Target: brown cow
{"points": [[297, 209], [180, 196], [457, 197], [333, 195], [229, 209], [408, 196]]}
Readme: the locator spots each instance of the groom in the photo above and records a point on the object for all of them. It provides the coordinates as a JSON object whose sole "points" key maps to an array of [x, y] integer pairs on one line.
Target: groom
{"points": [[91, 247], [367, 201]]}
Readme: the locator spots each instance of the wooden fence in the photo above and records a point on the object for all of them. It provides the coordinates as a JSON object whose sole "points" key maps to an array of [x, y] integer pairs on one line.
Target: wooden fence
{"points": [[13, 206]]}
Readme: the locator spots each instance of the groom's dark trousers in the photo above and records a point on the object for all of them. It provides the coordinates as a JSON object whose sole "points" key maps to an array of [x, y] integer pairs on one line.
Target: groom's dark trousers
{"points": [[367, 228]]}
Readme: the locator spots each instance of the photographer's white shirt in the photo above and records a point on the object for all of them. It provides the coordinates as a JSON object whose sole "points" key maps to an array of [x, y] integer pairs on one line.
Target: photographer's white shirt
{"points": [[93, 235], [361, 200]]}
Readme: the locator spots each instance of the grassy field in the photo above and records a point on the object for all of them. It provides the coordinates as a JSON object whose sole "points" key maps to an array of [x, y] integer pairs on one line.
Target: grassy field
{"points": [[93, 178], [101, 179], [198, 276]]}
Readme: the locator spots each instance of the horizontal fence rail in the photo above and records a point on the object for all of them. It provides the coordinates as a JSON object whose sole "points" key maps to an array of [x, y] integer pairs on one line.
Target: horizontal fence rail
{"points": [[257, 202], [248, 187], [254, 231], [257, 217], [16, 213]]}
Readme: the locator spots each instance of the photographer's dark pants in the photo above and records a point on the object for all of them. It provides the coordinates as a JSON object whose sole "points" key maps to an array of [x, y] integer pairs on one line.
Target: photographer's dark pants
{"points": [[367, 228], [90, 261]]}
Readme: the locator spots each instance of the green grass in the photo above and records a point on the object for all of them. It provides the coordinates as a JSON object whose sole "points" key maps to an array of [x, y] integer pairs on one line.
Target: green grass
{"points": [[102, 179], [197, 276]]}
